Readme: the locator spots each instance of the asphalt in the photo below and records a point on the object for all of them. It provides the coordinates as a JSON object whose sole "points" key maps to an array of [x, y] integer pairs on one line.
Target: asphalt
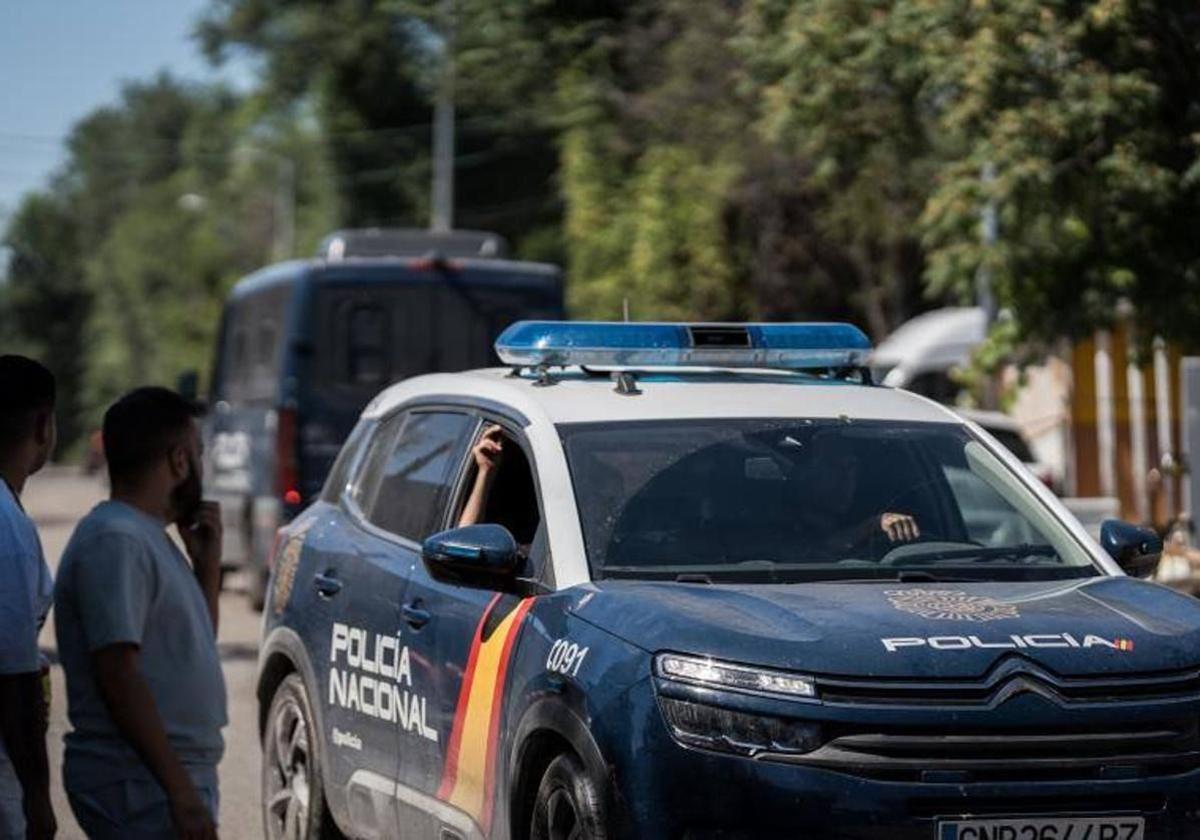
{"points": [[56, 498]]}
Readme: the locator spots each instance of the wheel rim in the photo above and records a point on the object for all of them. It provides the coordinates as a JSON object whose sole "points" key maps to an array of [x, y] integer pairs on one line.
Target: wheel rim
{"points": [[288, 774], [562, 817]]}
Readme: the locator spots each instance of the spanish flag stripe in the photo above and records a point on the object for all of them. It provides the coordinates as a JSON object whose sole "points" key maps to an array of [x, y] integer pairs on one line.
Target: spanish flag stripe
{"points": [[450, 771], [468, 782], [489, 786]]}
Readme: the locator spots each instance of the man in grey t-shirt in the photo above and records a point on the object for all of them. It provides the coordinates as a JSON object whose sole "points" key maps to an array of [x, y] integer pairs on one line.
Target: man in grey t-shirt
{"points": [[136, 629]]}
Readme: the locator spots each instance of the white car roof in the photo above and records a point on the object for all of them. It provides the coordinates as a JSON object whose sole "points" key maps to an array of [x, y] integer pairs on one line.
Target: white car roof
{"points": [[576, 397]]}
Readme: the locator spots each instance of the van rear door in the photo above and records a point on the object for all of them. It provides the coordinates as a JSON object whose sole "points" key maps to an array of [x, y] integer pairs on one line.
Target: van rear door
{"points": [[240, 431], [373, 325]]}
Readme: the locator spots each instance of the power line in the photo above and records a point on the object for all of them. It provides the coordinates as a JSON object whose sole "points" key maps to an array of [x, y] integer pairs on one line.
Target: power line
{"points": [[412, 128]]}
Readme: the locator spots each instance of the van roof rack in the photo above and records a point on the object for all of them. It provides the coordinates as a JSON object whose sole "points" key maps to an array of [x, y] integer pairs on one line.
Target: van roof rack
{"points": [[412, 242]]}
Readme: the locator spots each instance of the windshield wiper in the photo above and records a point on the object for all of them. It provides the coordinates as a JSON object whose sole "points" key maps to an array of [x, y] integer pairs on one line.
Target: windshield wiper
{"points": [[979, 554], [906, 576]]}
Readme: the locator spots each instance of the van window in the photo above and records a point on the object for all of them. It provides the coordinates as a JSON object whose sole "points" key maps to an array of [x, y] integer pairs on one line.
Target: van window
{"points": [[415, 482], [371, 335], [249, 364], [367, 356]]}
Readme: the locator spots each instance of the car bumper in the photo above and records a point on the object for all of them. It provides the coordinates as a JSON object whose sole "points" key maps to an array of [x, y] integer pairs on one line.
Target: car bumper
{"points": [[726, 797], [665, 789]]}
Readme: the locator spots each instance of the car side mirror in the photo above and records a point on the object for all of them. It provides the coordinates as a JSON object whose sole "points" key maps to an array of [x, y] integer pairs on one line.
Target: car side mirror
{"points": [[481, 556], [1136, 550]]}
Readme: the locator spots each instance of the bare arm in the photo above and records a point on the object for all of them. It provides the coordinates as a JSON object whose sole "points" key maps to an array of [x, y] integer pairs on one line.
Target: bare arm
{"points": [[487, 452], [23, 730], [132, 709]]}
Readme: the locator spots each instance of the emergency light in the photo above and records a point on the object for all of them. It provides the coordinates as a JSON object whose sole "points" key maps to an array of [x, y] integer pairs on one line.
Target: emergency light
{"points": [[539, 344]]}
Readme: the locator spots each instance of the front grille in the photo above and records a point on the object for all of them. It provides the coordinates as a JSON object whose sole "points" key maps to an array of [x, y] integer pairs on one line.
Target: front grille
{"points": [[1010, 676], [964, 756]]}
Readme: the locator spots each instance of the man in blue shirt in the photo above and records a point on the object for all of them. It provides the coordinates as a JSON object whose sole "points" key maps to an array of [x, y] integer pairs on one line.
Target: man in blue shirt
{"points": [[27, 437], [137, 634]]}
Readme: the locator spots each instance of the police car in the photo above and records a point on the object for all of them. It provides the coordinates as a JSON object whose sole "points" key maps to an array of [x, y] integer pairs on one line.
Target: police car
{"points": [[707, 581]]}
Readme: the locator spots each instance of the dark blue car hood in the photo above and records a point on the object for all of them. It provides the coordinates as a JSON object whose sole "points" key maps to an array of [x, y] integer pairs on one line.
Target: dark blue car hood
{"points": [[1091, 627]]}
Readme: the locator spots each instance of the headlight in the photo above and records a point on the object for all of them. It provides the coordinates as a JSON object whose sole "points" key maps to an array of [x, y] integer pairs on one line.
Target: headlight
{"points": [[742, 733], [713, 674]]}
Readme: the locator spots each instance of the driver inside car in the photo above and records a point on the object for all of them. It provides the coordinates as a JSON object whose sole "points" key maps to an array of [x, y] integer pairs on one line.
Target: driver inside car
{"points": [[830, 479]]}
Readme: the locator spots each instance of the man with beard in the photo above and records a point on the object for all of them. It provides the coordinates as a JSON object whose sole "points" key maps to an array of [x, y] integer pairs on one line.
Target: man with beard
{"points": [[136, 631]]}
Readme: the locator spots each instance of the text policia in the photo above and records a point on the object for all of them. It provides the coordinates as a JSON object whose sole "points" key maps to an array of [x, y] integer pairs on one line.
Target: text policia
{"points": [[370, 673]]}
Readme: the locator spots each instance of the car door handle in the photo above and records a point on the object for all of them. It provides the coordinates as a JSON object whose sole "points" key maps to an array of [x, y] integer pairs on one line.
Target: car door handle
{"points": [[416, 615], [327, 583]]}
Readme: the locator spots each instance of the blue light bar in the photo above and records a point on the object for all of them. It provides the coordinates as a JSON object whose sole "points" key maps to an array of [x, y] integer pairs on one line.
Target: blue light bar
{"points": [[624, 345]]}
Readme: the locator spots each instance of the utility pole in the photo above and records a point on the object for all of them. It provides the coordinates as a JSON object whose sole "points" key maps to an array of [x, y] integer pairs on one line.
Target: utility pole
{"points": [[443, 129], [285, 208], [989, 228]]}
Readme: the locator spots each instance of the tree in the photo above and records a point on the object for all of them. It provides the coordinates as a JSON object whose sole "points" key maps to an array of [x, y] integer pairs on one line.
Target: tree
{"points": [[46, 299], [119, 268], [1089, 114], [1085, 110], [367, 72]]}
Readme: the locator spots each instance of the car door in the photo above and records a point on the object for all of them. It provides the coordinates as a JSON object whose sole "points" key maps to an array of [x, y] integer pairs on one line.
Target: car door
{"points": [[465, 645], [359, 587], [402, 506]]}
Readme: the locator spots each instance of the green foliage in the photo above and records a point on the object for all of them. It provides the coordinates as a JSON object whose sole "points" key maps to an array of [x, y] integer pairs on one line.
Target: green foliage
{"points": [[46, 301], [696, 158], [1090, 114], [367, 73], [119, 268]]}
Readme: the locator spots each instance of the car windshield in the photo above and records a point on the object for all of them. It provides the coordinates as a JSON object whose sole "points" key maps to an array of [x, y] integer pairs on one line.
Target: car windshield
{"points": [[777, 501]]}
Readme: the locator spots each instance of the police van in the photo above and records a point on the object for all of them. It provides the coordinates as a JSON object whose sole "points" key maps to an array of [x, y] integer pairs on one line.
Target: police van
{"points": [[304, 345], [707, 581]]}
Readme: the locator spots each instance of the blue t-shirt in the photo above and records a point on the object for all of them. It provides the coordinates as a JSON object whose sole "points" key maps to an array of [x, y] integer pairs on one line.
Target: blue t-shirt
{"points": [[122, 580], [26, 588]]}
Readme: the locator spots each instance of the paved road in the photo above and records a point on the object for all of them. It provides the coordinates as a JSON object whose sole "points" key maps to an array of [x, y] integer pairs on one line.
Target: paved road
{"points": [[57, 498]]}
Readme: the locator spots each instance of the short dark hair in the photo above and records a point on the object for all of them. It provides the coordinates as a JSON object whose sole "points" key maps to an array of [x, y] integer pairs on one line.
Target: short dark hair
{"points": [[26, 387], [141, 427]]}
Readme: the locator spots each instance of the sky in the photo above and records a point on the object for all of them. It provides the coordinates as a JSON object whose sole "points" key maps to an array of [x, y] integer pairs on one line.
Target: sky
{"points": [[61, 59]]}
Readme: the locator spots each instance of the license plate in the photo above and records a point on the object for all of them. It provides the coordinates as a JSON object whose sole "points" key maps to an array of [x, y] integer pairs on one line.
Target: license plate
{"points": [[1038, 828]]}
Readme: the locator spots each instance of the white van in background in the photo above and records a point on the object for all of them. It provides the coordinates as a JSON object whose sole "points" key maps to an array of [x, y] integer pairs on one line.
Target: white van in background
{"points": [[920, 354]]}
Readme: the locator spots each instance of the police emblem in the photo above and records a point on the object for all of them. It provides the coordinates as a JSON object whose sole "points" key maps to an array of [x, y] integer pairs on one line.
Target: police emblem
{"points": [[950, 605], [285, 572]]}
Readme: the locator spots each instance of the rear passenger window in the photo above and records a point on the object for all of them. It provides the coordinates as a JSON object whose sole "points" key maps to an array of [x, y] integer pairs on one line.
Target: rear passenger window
{"points": [[414, 484]]}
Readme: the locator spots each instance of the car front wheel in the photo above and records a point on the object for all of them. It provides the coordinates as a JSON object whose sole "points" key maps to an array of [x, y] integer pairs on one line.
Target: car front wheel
{"points": [[293, 800], [569, 805]]}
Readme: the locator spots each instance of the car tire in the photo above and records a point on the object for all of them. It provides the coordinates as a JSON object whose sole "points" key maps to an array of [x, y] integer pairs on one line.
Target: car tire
{"points": [[569, 804], [293, 799]]}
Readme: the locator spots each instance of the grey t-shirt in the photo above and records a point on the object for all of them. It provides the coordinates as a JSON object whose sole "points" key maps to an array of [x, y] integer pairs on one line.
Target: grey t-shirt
{"points": [[122, 580]]}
